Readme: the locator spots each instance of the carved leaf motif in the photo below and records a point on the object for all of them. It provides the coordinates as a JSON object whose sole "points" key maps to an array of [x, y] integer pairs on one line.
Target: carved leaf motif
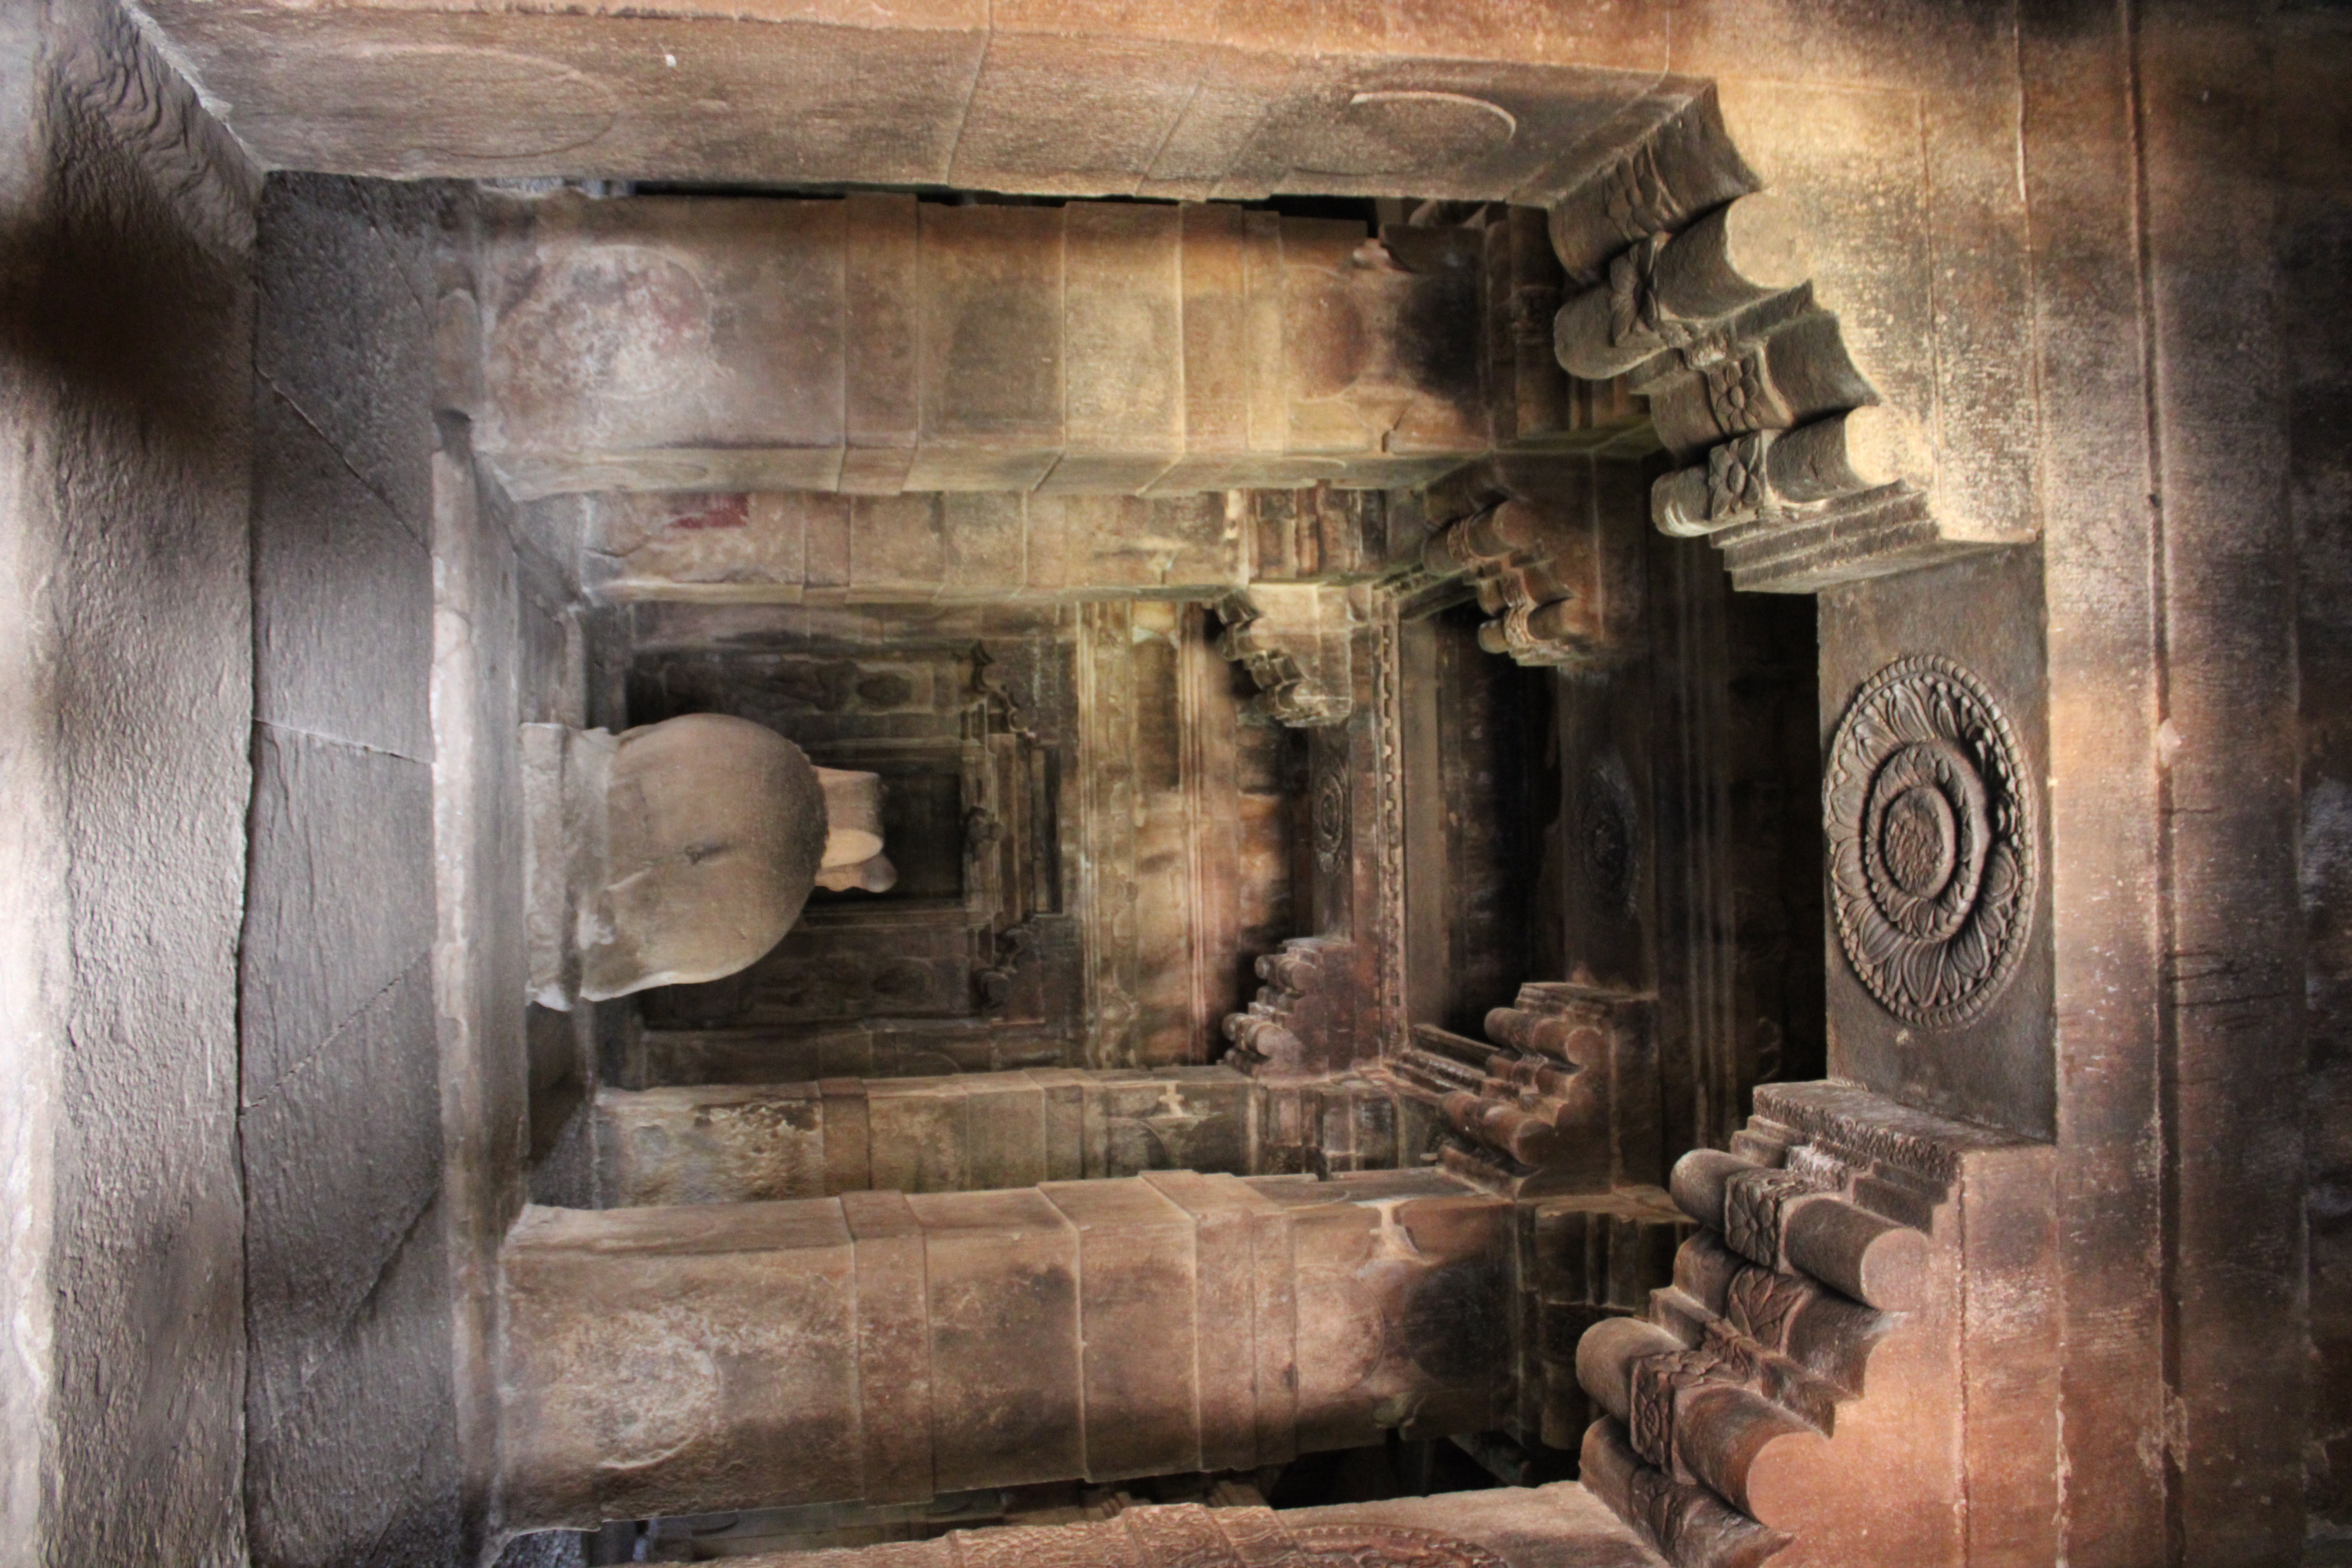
{"points": [[1752, 1201], [1634, 195], [1761, 1303]]}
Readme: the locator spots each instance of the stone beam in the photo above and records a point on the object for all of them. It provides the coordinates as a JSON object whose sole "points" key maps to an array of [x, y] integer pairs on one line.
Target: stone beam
{"points": [[1074, 98], [754, 1143], [739, 1143], [878, 345], [1557, 1526], [805, 547], [882, 1347]]}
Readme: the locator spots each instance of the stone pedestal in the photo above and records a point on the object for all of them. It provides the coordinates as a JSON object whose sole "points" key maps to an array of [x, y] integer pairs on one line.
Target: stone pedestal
{"points": [[882, 1347]]}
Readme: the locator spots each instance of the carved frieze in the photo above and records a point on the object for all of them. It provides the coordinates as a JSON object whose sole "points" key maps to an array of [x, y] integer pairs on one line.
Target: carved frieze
{"points": [[1387, 779], [1930, 822], [1386, 1546]]}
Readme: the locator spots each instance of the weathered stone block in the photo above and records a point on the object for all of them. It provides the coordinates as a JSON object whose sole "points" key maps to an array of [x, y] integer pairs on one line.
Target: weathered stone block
{"points": [[342, 336], [984, 546], [897, 546], [710, 545], [1004, 1307], [1004, 1131], [340, 1159], [884, 357], [1055, 112], [1123, 333], [917, 1141], [342, 594], [666, 1361], [848, 1135], [1236, 1324], [991, 371], [1136, 1281], [367, 1447], [340, 897], [893, 1367], [720, 1144], [611, 331]]}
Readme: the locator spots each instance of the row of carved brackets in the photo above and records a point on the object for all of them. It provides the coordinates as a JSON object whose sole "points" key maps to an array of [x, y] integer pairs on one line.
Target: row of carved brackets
{"points": [[1698, 287]]}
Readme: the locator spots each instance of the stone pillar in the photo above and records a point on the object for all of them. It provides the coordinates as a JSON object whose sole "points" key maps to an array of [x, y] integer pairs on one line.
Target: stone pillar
{"points": [[883, 1347]]}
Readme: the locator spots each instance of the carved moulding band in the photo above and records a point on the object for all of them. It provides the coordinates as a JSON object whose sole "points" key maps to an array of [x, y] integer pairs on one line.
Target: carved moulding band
{"points": [[1930, 821], [1387, 1546]]}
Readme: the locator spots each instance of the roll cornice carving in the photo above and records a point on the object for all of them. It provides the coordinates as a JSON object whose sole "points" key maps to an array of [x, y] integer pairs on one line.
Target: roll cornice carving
{"points": [[1699, 287], [1840, 1332]]}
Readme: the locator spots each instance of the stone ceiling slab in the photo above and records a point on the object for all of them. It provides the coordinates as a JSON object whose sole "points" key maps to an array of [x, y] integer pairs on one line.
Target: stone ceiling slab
{"points": [[1047, 98]]}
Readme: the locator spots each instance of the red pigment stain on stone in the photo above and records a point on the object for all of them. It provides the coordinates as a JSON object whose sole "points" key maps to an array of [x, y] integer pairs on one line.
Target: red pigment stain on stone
{"points": [[712, 512]]}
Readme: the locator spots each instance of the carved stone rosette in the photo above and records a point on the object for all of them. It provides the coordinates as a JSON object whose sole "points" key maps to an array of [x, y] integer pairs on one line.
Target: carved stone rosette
{"points": [[1930, 827]]}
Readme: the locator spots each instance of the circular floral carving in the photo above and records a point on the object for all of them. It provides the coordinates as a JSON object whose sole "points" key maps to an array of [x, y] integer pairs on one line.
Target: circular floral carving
{"points": [[1330, 819], [1388, 1546], [1609, 828], [1931, 841]]}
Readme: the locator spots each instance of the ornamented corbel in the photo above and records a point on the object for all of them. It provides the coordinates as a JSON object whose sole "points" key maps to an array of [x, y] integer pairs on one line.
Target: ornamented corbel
{"points": [[1666, 291], [1760, 1410], [1534, 1113], [1305, 1017], [1791, 459], [1773, 477], [1560, 587], [1294, 638]]}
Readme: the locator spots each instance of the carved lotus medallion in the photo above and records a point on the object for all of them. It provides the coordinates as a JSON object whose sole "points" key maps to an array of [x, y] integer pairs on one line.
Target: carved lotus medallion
{"points": [[1330, 819], [1931, 841]]}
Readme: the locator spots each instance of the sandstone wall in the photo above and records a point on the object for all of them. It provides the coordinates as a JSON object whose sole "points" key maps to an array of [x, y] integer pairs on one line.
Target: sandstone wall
{"points": [[2314, 238], [350, 1445], [125, 701]]}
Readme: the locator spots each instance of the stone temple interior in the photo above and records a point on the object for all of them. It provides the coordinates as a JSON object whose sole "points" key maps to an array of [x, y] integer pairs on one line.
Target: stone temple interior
{"points": [[1551, 784]]}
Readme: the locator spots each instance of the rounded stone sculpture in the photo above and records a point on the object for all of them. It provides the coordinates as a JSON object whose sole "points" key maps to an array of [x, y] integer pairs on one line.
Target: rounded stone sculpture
{"points": [[715, 829]]}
